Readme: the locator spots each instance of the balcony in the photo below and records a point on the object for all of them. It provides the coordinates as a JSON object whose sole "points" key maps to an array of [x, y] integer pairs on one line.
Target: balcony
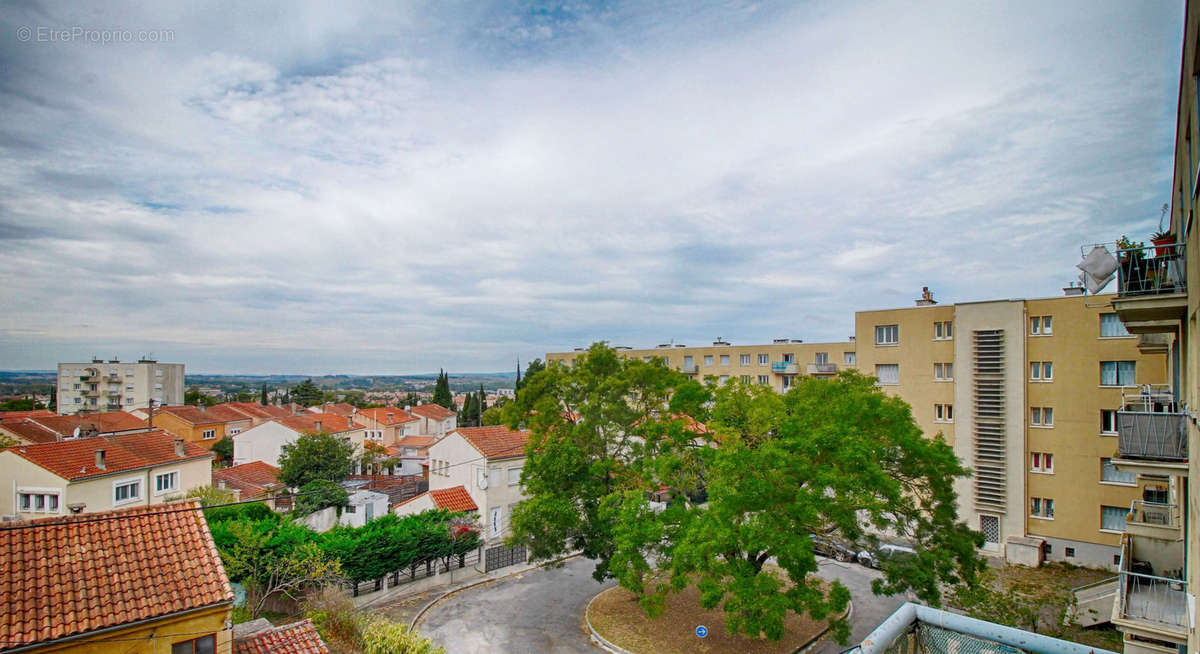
{"points": [[1156, 436], [1151, 288], [819, 369], [1152, 599], [689, 369], [1153, 520], [90, 392], [1154, 343], [785, 367]]}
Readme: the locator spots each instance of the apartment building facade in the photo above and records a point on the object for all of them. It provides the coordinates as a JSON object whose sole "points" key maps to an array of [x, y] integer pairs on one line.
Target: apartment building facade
{"points": [[777, 364], [114, 385]]}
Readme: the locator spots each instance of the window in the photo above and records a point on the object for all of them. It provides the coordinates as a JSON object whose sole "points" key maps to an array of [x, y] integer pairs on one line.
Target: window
{"points": [[724, 359], [990, 526], [887, 334], [129, 400], [688, 362], [849, 358], [127, 491], [129, 388], [888, 374], [724, 379], [1069, 552], [1041, 371], [1118, 373], [514, 476], [128, 372], [202, 645], [37, 502], [1041, 325], [158, 372], [708, 359], [1041, 416], [1112, 518], [78, 400], [210, 433], [1041, 507], [764, 379], [1041, 462], [764, 359], [1112, 327], [790, 357], [943, 413], [745, 379], [1110, 474], [943, 331], [234, 430], [77, 387], [744, 359], [943, 371], [166, 482], [1108, 421], [821, 358]]}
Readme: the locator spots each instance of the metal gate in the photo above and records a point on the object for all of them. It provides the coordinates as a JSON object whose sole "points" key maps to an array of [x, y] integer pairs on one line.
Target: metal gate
{"points": [[500, 557]]}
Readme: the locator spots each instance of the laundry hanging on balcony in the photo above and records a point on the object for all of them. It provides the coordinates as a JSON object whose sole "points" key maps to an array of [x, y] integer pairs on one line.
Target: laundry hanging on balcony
{"points": [[1098, 268]]}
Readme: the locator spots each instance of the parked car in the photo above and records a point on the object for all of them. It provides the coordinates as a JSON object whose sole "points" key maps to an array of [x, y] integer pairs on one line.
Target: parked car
{"points": [[885, 552], [832, 548]]}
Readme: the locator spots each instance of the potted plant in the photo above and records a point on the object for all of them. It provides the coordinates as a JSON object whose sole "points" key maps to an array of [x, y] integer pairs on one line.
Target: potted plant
{"points": [[1132, 256], [1161, 239]]}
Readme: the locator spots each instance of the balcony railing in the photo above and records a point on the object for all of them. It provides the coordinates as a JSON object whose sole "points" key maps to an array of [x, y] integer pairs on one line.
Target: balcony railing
{"points": [[1142, 512], [1154, 270], [1147, 597], [1155, 436], [822, 368], [688, 368], [785, 367]]}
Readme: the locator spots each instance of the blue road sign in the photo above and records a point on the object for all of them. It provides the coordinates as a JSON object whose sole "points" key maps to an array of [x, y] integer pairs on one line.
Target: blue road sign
{"points": [[701, 631]]}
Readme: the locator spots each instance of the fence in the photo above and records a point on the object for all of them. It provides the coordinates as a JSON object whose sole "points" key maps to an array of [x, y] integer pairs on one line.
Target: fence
{"points": [[416, 572]]}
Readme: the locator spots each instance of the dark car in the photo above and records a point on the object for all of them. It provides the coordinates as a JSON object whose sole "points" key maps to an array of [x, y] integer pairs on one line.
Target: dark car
{"points": [[832, 548], [885, 552]]}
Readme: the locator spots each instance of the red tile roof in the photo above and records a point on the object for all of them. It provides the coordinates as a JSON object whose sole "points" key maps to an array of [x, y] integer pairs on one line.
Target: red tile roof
{"points": [[341, 409], [315, 422], [380, 415], [255, 410], [453, 499], [496, 442], [19, 416], [419, 442], [206, 416], [76, 458], [105, 423], [253, 479], [29, 431], [432, 411], [65, 576], [295, 638]]}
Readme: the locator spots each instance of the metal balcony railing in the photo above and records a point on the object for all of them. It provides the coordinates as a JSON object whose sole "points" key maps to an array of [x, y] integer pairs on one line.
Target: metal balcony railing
{"points": [[688, 369], [785, 367], [1152, 513], [822, 368], [1156, 436], [1153, 270], [1145, 596], [1148, 397]]}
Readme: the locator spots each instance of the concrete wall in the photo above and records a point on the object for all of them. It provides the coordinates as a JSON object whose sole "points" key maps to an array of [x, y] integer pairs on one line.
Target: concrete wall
{"points": [[262, 443], [137, 382]]}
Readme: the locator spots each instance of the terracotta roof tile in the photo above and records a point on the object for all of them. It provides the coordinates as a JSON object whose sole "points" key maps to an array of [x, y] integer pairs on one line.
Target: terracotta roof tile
{"points": [[105, 423], [432, 411], [31, 432], [76, 458], [65, 576], [206, 416], [19, 416], [256, 410], [420, 442], [315, 422], [341, 409], [453, 499], [295, 638], [253, 479], [397, 416], [496, 442]]}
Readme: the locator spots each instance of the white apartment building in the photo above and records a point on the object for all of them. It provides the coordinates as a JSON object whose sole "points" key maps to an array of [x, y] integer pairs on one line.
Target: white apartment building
{"points": [[117, 386]]}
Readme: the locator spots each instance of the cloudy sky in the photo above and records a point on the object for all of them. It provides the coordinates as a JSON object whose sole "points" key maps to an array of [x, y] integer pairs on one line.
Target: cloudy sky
{"points": [[394, 187]]}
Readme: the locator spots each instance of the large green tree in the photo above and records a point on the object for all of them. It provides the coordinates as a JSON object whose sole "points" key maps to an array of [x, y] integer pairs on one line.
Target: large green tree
{"points": [[829, 455], [307, 393], [441, 391], [313, 457]]}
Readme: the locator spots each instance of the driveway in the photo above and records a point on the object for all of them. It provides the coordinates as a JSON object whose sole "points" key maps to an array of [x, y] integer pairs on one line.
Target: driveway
{"points": [[542, 610], [536, 611]]}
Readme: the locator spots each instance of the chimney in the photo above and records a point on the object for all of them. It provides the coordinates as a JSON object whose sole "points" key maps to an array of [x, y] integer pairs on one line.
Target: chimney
{"points": [[407, 407], [100, 463], [926, 298], [391, 416], [317, 424], [178, 447], [1072, 289], [349, 422]]}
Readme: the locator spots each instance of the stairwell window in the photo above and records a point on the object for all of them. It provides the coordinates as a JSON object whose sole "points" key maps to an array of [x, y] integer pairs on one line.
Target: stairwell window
{"points": [[887, 334], [1112, 327], [1041, 325], [1041, 416], [1118, 373], [943, 372], [1042, 371], [888, 374], [943, 331], [1042, 462]]}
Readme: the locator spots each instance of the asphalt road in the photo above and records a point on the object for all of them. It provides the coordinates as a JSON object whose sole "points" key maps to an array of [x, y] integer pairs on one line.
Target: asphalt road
{"points": [[542, 611]]}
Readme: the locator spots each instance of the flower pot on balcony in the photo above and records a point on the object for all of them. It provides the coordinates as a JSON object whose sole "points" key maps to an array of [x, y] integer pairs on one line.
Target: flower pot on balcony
{"points": [[1160, 240]]}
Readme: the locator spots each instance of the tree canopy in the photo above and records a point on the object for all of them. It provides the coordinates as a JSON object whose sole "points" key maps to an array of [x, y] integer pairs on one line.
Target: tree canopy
{"points": [[307, 393], [313, 457], [829, 455], [441, 391]]}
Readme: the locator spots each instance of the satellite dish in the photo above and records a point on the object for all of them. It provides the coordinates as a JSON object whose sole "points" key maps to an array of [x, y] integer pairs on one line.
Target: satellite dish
{"points": [[483, 483], [75, 434]]}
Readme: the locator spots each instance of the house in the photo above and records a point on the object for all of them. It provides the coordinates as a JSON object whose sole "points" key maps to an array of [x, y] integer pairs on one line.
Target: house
{"points": [[88, 475], [258, 413], [28, 432], [436, 420], [265, 442], [202, 425], [260, 637], [143, 580], [450, 499], [250, 481], [387, 425], [410, 452], [362, 506], [487, 463], [20, 416], [45, 429]]}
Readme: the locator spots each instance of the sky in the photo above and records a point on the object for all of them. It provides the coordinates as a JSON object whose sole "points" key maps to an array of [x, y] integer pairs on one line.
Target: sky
{"points": [[397, 187]]}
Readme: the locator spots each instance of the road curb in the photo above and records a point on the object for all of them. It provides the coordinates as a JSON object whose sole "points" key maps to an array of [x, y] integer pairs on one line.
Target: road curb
{"points": [[424, 609], [605, 644]]}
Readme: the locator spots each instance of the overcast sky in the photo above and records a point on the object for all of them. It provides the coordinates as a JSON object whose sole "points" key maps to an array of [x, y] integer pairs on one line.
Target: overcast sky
{"points": [[393, 187]]}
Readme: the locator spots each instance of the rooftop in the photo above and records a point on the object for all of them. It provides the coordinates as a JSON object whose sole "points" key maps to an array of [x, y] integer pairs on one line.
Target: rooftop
{"points": [[295, 638], [389, 415], [495, 442], [205, 415], [453, 499], [104, 423], [256, 410], [432, 411], [30, 431], [253, 479], [18, 416], [76, 458], [61, 577]]}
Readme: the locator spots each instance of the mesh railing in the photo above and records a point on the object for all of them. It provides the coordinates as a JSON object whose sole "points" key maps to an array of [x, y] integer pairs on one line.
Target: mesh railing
{"points": [[1146, 435], [925, 638], [1155, 270], [1153, 513]]}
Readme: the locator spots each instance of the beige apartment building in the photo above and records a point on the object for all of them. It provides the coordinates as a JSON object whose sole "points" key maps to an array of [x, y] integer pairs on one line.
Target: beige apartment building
{"points": [[117, 386]]}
